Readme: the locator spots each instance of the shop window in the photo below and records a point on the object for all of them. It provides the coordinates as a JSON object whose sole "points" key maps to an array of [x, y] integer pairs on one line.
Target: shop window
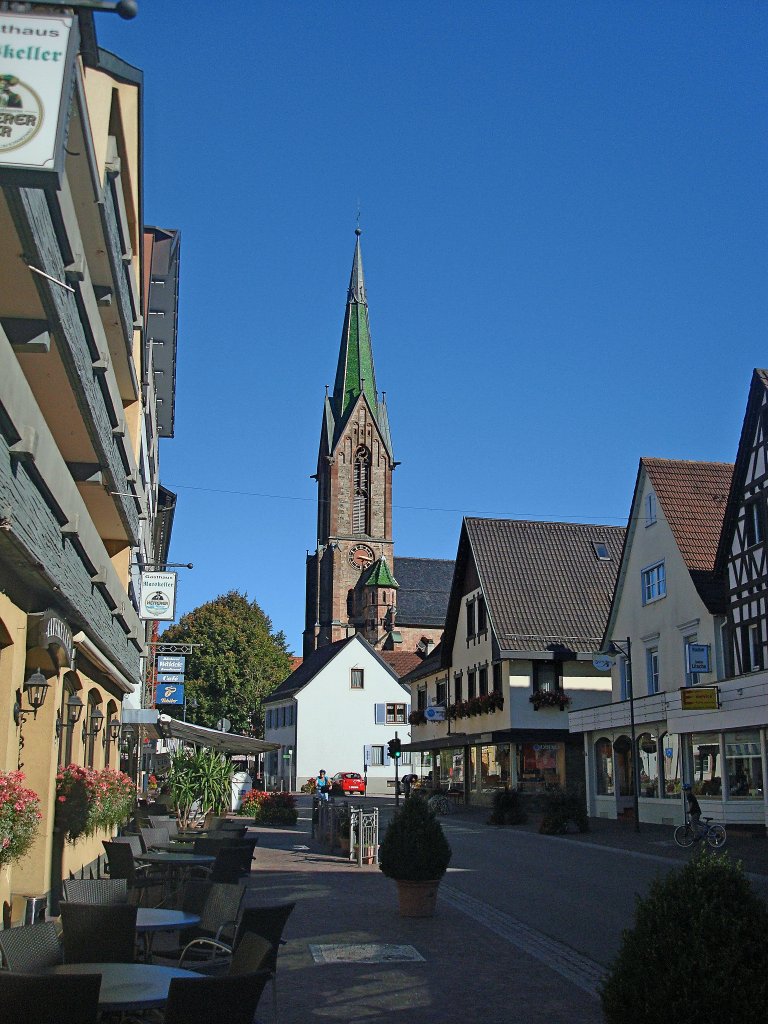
{"points": [[707, 773], [625, 776], [671, 764], [744, 765], [604, 767], [494, 767], [648, 760], [541, 766]]}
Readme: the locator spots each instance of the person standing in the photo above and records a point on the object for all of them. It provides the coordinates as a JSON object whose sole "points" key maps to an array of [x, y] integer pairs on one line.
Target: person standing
{"points": [[323, 788]]}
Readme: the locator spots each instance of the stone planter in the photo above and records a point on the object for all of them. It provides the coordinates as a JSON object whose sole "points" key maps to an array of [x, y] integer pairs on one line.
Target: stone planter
{"points": [[417, 899]]}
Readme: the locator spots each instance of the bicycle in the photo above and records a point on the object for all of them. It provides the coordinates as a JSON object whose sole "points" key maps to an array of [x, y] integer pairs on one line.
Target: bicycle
{"points": [[686, 835]]}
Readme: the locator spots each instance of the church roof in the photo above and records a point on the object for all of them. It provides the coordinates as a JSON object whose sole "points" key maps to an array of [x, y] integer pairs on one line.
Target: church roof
{"points": [[424, 589], [355, 373], [380, 576]]}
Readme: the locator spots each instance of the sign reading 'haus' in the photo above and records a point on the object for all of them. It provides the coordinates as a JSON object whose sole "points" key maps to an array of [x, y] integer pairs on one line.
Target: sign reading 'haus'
{"points": [[37, 57]]}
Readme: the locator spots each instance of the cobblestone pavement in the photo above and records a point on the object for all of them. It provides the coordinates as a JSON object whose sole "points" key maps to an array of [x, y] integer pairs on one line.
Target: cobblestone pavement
{"points": [[486, 955]]}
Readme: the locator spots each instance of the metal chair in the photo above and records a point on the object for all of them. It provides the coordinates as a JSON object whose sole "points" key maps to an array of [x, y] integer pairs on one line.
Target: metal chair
{"points": [[265, 923], [218, 907], [49, 999], [103, 891], [32, 947], [226, 1000], [98, 934]]}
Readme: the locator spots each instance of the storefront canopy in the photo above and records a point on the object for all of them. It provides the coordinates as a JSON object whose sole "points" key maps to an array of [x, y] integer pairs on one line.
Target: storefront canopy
{"points": [[225, 742]]}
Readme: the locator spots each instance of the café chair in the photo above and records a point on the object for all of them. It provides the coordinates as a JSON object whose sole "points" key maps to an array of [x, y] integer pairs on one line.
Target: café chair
{"points": [[265, 923], [155, 838], [30, 948], [140, 877], [104, 891], [49, 999], [217, 1000], [132, 839], [94, 934], [218, 907], [170, 823]]}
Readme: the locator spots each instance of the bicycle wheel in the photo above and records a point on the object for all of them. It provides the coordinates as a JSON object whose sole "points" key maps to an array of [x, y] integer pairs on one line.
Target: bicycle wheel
{"points": [[684, 836], [716, 836]]}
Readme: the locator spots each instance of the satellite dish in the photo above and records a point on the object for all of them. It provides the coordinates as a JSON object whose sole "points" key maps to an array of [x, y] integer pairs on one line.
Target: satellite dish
{"points": [[602, 663], [223, 725]]}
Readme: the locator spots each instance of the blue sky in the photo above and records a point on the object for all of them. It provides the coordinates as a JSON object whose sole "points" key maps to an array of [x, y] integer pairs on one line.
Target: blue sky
{"points": [[564, 237]]}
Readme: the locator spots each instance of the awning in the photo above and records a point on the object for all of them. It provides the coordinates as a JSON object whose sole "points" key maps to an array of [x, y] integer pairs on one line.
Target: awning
{"points": [[225, 742]]}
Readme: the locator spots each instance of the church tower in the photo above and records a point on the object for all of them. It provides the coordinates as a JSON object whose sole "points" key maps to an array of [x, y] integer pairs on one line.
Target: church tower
{"points": [[350, 586]]}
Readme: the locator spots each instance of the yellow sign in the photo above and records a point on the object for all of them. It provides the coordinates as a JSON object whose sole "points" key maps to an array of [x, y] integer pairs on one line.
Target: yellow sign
{"points": [[700, 698]]}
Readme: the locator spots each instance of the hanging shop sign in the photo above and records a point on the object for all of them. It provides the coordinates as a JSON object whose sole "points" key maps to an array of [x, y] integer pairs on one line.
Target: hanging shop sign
{"points": [[169, 695], [37, 65], [700, 698], [171, 663], [158, 596], [436, 713], [170, 677]]}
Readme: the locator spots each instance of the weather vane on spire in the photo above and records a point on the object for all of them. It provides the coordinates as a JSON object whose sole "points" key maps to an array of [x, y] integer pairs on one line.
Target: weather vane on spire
{"points": [[357, 229]]}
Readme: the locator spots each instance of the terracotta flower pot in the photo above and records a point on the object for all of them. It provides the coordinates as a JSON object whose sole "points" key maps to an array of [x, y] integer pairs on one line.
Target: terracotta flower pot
{"points": [[417, 899]]}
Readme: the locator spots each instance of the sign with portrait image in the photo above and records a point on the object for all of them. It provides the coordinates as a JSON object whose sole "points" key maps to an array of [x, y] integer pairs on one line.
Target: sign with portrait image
{"points": [[37, 60], [158, 597]]}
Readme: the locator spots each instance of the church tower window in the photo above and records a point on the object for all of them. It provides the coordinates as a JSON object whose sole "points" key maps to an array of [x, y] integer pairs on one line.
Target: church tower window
{"points": [[362, 482]]}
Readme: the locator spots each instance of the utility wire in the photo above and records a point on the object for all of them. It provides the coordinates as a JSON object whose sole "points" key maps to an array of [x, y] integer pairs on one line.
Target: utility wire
{"points": [[410, 508]]}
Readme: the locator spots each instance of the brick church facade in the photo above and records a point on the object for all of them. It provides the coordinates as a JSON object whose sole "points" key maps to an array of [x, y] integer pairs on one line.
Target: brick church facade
{"points": [[355, 584]]}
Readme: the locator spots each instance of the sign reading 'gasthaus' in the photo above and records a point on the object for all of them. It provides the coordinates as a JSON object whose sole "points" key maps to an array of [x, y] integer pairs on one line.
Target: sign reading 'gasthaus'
{"points": [[35, 67], [158, 596], [700, 698]]}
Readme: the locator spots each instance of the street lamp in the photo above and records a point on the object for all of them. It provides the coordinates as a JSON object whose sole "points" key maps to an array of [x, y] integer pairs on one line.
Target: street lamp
{"points": [[36, 690], [625, 651], [92, 726], [74, 708]]}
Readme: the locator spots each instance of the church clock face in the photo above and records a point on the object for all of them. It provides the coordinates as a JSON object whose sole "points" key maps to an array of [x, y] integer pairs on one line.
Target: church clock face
{"points": [[361, 556]]}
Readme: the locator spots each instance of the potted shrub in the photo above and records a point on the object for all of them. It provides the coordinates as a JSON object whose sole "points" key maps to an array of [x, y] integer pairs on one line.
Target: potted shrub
{"points": [[415, 853]]}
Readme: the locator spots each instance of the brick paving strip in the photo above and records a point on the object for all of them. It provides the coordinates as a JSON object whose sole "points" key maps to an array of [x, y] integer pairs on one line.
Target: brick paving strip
{"points": [[578, 969]]}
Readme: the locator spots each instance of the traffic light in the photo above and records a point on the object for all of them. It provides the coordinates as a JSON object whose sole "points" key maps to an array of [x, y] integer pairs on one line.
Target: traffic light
{"points": [[393, 749]]}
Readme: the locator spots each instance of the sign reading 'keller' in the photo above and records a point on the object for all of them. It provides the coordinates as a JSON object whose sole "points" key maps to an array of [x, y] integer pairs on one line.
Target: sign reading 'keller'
{"points": [[158, 596], [37, 57]]}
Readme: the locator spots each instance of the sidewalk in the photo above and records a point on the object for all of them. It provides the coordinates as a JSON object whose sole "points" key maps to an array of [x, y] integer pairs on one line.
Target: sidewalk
{"points": [[467, 972]]}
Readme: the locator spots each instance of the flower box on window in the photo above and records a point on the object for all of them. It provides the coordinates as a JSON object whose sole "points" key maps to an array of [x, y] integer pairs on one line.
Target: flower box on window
{"points": [[550, 699]]}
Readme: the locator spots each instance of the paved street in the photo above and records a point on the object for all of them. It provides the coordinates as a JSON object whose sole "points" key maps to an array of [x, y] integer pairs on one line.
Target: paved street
{"points": [[525, 926]]}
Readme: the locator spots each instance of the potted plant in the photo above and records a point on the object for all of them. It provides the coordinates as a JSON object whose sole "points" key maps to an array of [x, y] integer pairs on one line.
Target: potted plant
{"points": [[415, 853], [19, 817]]}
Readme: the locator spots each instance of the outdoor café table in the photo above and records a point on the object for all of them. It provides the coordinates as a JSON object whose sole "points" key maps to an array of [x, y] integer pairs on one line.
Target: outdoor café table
{"points": [[128, 986], [159, 919], [179, 861]]}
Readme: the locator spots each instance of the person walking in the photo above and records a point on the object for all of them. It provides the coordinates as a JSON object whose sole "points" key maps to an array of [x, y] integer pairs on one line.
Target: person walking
{"points": [[323, 788]]}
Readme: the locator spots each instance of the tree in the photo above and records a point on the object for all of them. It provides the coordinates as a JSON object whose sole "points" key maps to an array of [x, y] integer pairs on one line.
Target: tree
{"points": [[237, 662]]}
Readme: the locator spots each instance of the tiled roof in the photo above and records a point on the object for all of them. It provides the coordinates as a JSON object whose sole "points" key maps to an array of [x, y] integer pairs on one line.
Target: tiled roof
{"points": [[401, 662], [316, 661], [425, 667], [425, 587], [693, 497], [544, 584]]}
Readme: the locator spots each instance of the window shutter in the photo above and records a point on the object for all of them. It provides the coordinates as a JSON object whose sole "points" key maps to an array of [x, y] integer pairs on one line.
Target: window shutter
{"points": [[407, 711], [367, 754], [387, 758], [380, 714]]}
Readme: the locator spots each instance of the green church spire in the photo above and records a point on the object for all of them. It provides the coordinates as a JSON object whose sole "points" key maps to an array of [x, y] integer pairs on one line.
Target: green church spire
{"points": [[355, 374]]}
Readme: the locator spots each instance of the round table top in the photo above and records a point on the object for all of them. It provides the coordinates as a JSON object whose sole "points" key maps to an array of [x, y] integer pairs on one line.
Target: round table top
{"points": [[160, 919], [129, 986], [179, 859]]}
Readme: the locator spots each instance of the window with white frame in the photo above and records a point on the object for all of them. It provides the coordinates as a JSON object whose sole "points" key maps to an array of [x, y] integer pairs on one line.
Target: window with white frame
{"points": [[650, 509], [654, 582], [357, 679], [396, 714], [377, 755], [652, 668]]}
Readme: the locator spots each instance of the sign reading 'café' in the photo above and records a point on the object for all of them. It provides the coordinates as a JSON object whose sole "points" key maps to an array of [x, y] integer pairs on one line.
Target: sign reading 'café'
{"points": [[36, 65]]}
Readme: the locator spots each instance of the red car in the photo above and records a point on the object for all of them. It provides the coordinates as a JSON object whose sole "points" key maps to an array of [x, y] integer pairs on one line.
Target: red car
{"points": [[348, 782]]}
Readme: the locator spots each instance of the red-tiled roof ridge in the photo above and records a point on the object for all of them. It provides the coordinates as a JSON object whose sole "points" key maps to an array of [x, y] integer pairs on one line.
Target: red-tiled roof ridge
{"points": [[693, 497], [401, 662]]}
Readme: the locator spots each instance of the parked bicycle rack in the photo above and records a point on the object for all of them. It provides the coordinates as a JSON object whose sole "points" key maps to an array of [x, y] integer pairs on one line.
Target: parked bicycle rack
{"points": [[353, 830]]}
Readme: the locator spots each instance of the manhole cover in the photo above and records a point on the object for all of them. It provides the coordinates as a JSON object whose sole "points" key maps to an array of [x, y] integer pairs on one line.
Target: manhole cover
{"points": [[365, 953]]}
